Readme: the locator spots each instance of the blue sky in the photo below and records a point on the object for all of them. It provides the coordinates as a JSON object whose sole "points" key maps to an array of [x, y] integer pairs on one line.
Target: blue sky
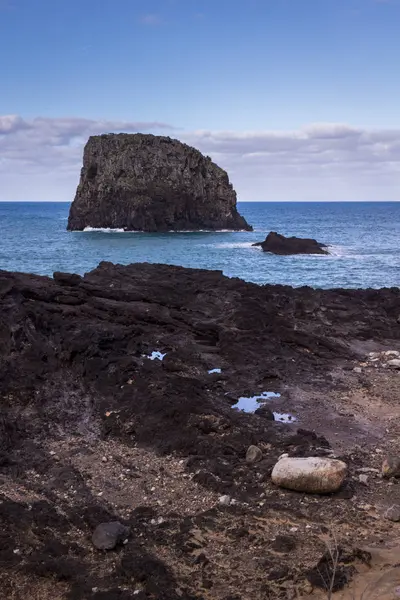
{"points": [[267, 71]]}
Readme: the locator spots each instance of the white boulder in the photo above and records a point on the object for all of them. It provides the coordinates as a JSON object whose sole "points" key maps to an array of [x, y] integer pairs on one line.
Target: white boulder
{"points": [[313, 475]]}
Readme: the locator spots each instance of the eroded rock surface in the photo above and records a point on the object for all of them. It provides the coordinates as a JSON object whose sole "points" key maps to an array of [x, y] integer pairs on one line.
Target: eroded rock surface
{"points": [[151, 183], [93, 431]]}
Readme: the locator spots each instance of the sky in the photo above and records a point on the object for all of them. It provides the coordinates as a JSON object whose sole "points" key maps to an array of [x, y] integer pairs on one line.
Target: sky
{"points": [[297, 99]]}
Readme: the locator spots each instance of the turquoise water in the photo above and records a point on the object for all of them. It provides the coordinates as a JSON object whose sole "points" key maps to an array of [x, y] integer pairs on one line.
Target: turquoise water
{"points": [[364, 239]]}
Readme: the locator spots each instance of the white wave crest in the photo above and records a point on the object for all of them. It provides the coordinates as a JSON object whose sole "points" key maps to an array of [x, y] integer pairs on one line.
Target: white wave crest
{"points": [[235, 245], [103, 230]]}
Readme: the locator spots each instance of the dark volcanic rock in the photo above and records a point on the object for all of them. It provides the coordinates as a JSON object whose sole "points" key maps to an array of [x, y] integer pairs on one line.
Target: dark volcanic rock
{"points": [[107, 535], [75, 386], [151, 183], [279, 244]]}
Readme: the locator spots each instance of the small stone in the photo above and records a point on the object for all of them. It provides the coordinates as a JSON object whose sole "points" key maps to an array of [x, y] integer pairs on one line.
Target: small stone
{"points": [[107, 535], [314, 475], [265, 413], [394, 363], [95, 589], [104, 459], [16, 551], [357, 370], [395, 353], [363, 479], [391, 467], [392, 513], [225, 500], [253, 454], [367, 470]]}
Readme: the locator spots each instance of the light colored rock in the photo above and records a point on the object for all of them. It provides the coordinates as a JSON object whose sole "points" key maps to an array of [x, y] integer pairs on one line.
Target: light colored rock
{"points": [[253, 454], [313, 475], [367, 470], [357, 370], [394, 353], [394, 363], [363, 479], [225, 500]]}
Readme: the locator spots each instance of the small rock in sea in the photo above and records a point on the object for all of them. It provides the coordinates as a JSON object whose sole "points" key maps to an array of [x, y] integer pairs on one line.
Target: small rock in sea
{"points": [[253, 454], [314, 475], [393, 513], [391, 467], [225, 500], [357, 370], [107, 535], [394, 363], [363, 479]]}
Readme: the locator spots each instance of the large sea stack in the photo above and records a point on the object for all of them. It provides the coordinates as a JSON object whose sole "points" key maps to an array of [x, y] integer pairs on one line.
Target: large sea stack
{"points": [[144, 182]]}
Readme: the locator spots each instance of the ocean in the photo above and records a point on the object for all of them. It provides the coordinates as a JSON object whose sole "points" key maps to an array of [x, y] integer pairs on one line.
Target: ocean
{"points": [[363, 238]]}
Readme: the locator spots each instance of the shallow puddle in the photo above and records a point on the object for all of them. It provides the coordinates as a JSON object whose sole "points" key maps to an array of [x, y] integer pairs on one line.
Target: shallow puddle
{"points": [[251, 403], [284, 417], [156, 355]]}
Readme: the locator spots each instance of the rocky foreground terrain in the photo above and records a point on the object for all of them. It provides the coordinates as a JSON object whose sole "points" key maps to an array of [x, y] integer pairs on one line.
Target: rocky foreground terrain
{"points": [[143, 182], [109, 413]]}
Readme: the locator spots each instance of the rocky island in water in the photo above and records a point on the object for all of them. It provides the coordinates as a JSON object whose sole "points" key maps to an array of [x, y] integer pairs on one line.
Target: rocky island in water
{"points": [[286, 246], [143, 182]]}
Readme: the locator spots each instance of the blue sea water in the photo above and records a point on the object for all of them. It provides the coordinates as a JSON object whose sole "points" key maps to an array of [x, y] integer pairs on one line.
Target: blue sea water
{"points": [[364, 241]]}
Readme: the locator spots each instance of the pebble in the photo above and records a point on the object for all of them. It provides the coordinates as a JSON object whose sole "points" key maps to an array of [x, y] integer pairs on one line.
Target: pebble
{"points": [[253, 454], [357, 370], [394, 363], [224, 500], [393, 513], [391, 467], [363, 479], [104, 459], [107, 535], [367, 470]]}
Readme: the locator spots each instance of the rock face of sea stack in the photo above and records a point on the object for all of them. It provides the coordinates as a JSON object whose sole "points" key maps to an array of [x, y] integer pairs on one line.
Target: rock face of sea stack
{"points": [[142, 182]]}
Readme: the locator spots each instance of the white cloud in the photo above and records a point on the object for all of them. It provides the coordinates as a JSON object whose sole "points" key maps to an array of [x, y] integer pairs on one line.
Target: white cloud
{"points": [[40, 159]]}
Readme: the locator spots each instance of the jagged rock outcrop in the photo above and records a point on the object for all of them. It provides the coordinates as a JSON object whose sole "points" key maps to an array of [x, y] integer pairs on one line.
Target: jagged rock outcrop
{"points": [[279, 244], [143, 182]]}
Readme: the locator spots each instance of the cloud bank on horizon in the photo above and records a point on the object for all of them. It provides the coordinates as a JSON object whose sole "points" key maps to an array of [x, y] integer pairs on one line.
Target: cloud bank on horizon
{"points": [[40, 159]]}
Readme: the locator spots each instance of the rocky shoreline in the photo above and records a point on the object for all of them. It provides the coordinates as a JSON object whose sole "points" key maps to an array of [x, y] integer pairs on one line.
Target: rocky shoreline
{"points": [[117, 392]]}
